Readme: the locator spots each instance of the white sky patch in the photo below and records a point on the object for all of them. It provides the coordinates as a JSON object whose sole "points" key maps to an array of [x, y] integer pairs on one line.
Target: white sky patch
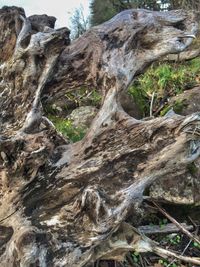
{"points": [[61, 9]]}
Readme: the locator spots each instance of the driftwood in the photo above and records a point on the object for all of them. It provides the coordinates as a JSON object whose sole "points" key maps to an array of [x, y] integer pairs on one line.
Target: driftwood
{"points": [[65, 204]]}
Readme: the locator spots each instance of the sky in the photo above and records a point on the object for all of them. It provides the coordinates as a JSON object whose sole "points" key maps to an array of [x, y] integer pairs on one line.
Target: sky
{"points": [[61, 9]]}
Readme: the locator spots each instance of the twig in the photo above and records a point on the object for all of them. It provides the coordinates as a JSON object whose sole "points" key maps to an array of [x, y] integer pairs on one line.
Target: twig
{"points": [[192, 222], [146, 261], [185, 231], [166, 253], [181, 253], [151, 105], [159, 109], [149, 245], [141, 261]]}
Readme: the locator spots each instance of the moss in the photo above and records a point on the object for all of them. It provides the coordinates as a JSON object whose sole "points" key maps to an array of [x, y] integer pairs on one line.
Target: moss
{"points": [[192, 168], [66, 127]]}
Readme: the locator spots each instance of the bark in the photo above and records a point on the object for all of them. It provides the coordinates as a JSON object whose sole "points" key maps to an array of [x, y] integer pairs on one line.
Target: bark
{"points": [[66, 204]]}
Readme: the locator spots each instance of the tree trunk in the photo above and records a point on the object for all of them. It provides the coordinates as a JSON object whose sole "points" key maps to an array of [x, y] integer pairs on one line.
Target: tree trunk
{"points": [[65, 204]]}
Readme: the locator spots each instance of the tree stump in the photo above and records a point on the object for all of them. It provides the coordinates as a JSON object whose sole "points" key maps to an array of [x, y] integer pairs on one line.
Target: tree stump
{"points": [[64, 204]]}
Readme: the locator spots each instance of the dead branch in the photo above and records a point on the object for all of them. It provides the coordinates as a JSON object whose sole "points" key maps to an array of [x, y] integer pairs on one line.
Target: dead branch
{"points": [[180, 226], [165, 229]]}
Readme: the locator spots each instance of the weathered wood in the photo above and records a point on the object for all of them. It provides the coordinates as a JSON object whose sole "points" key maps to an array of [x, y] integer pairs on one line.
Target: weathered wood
{"points": [[164, 229], [183, 56], [65, 204]]}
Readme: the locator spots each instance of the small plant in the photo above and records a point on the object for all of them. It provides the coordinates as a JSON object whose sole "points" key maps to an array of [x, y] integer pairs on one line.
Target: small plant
{"points": [[163, 222], [135, 256], [66, 127], [164, 262], [174, 239], [196, 245]]}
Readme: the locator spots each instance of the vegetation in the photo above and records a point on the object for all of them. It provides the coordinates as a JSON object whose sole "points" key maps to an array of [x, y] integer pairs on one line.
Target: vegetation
{"points": [[102, 11], [84, 97], [190, 4], [166, 80], [158, 84], [193, 169], [140, 97], [65, 127], [77, 98], [79, 23]]}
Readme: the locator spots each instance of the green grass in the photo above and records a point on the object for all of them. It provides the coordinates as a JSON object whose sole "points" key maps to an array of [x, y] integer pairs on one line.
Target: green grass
{"points": [[65, 127], [166, 80], [140, 97]]}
